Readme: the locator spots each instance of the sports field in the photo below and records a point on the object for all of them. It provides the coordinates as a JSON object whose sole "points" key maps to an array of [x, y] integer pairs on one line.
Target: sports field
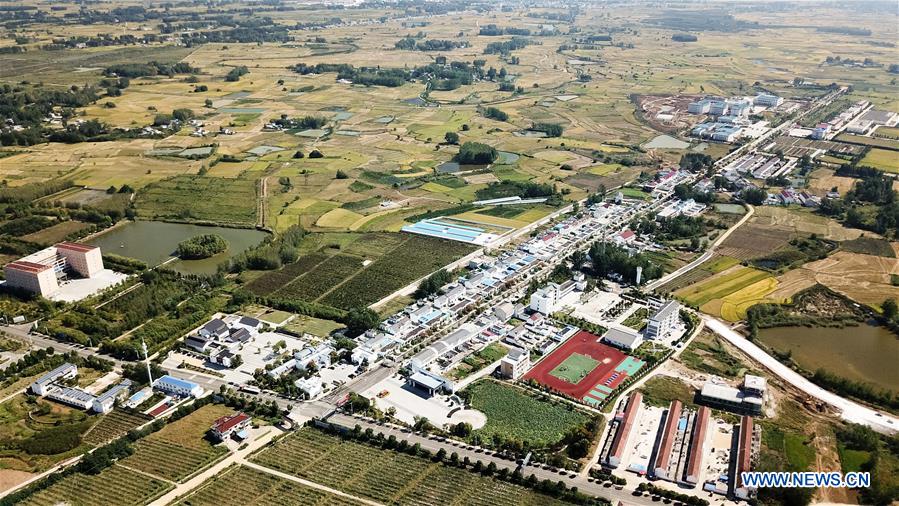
{"points": [[584, 368], [574, 368]]}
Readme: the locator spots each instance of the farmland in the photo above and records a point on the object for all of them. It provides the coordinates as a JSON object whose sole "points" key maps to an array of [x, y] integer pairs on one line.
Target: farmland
{"points": [[200, 198], [478, 360], [180, 448], [730, 293], [115, 485], [545, 424], [386, 476], [882, 159], [240, 485], [113, 426], [342, 280]]}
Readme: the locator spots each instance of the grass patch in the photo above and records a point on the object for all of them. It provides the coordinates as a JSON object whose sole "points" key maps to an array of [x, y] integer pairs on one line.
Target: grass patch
{"points": [[661, 390], [479, 360], [707, 354]]}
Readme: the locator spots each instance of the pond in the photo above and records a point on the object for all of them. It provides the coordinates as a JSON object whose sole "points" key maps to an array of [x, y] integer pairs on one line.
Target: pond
{"points": [[154, 242], [866, 353], [666, 142], [506, 158]]}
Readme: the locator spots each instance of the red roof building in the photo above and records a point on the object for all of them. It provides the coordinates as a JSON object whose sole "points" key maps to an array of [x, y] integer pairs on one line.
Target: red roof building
{"points": [[225, 426], [619, 442], [663, 458], [697, 445]]}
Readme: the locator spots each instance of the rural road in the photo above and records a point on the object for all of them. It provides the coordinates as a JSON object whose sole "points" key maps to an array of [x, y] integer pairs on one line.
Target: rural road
{"points": [[850, 411], [705, 256]]}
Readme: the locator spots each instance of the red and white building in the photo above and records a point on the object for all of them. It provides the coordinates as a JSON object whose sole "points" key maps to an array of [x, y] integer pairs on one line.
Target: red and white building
{"points": [[45, 271], [226, 426]]}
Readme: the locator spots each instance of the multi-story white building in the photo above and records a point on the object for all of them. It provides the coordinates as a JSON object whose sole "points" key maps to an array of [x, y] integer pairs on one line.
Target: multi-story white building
{"points": [[44, 271], [515, 363], [661, 323]]}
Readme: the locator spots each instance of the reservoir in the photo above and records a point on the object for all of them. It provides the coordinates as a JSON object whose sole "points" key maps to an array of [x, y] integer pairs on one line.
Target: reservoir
{"points": [[866, 353], [154, 242]]}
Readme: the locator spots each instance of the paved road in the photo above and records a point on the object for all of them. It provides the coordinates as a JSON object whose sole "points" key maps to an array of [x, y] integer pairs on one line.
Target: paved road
{"points": [[463, 451], [850, 411], [705, 256]]}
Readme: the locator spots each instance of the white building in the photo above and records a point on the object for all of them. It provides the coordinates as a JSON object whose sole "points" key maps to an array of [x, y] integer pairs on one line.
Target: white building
{"points": [[106, 401], [767, 100], [43, 272], [661, 323], [176, 386], [623, 338], [310, 387], [319, 355], [515, 363], [42, 385]]}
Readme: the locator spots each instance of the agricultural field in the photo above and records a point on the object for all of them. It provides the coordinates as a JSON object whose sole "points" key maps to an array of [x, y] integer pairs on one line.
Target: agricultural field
{"points": [[113, 426], [545, 424], [866, 279], [241, 485], [180, 449], [882, 159], [200, 198], [115, 485], [710, 354], [730, 293], [360, 270], [386, 476]]}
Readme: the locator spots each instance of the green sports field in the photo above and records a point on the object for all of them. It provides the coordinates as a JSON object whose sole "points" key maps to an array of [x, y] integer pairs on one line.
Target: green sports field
{"points": [[574, 368]]}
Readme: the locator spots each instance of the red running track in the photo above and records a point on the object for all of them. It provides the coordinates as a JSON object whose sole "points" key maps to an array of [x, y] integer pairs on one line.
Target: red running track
{"points": [[584, 343]]}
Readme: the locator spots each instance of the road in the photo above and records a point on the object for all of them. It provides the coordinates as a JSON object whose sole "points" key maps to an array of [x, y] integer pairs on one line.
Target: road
{"points": [[450, 446], [850, 411], [702, 258]]}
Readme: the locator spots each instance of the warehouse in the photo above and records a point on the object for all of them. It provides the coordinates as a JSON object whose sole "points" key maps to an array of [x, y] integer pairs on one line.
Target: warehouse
{"points": [[698, 442]]}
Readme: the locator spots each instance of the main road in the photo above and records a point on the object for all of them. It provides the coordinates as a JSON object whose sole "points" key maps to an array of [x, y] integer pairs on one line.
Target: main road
{"points": [[849, 410]]}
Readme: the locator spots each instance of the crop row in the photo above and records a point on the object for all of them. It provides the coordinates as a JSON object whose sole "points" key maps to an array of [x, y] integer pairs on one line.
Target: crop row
{"points": [[240, 486], [169, 460], [387, 476], [273, 281], [415, 258], [113, 426], [113, 486], [322, 278]]}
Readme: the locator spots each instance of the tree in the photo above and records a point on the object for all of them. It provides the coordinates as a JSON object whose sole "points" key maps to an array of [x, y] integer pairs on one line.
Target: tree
{"points": [[316, 154], [476, 153], [755, 196], [358, 320], [451, 138], [890, 309]]}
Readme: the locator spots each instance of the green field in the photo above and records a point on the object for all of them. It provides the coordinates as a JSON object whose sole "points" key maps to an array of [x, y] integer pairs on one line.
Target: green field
{"points": [[545, 424], [387, 476], [200, 198], [574, 368], [721, 285], [113, 426], [882, 159], [334, 273], [478, 360]]}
